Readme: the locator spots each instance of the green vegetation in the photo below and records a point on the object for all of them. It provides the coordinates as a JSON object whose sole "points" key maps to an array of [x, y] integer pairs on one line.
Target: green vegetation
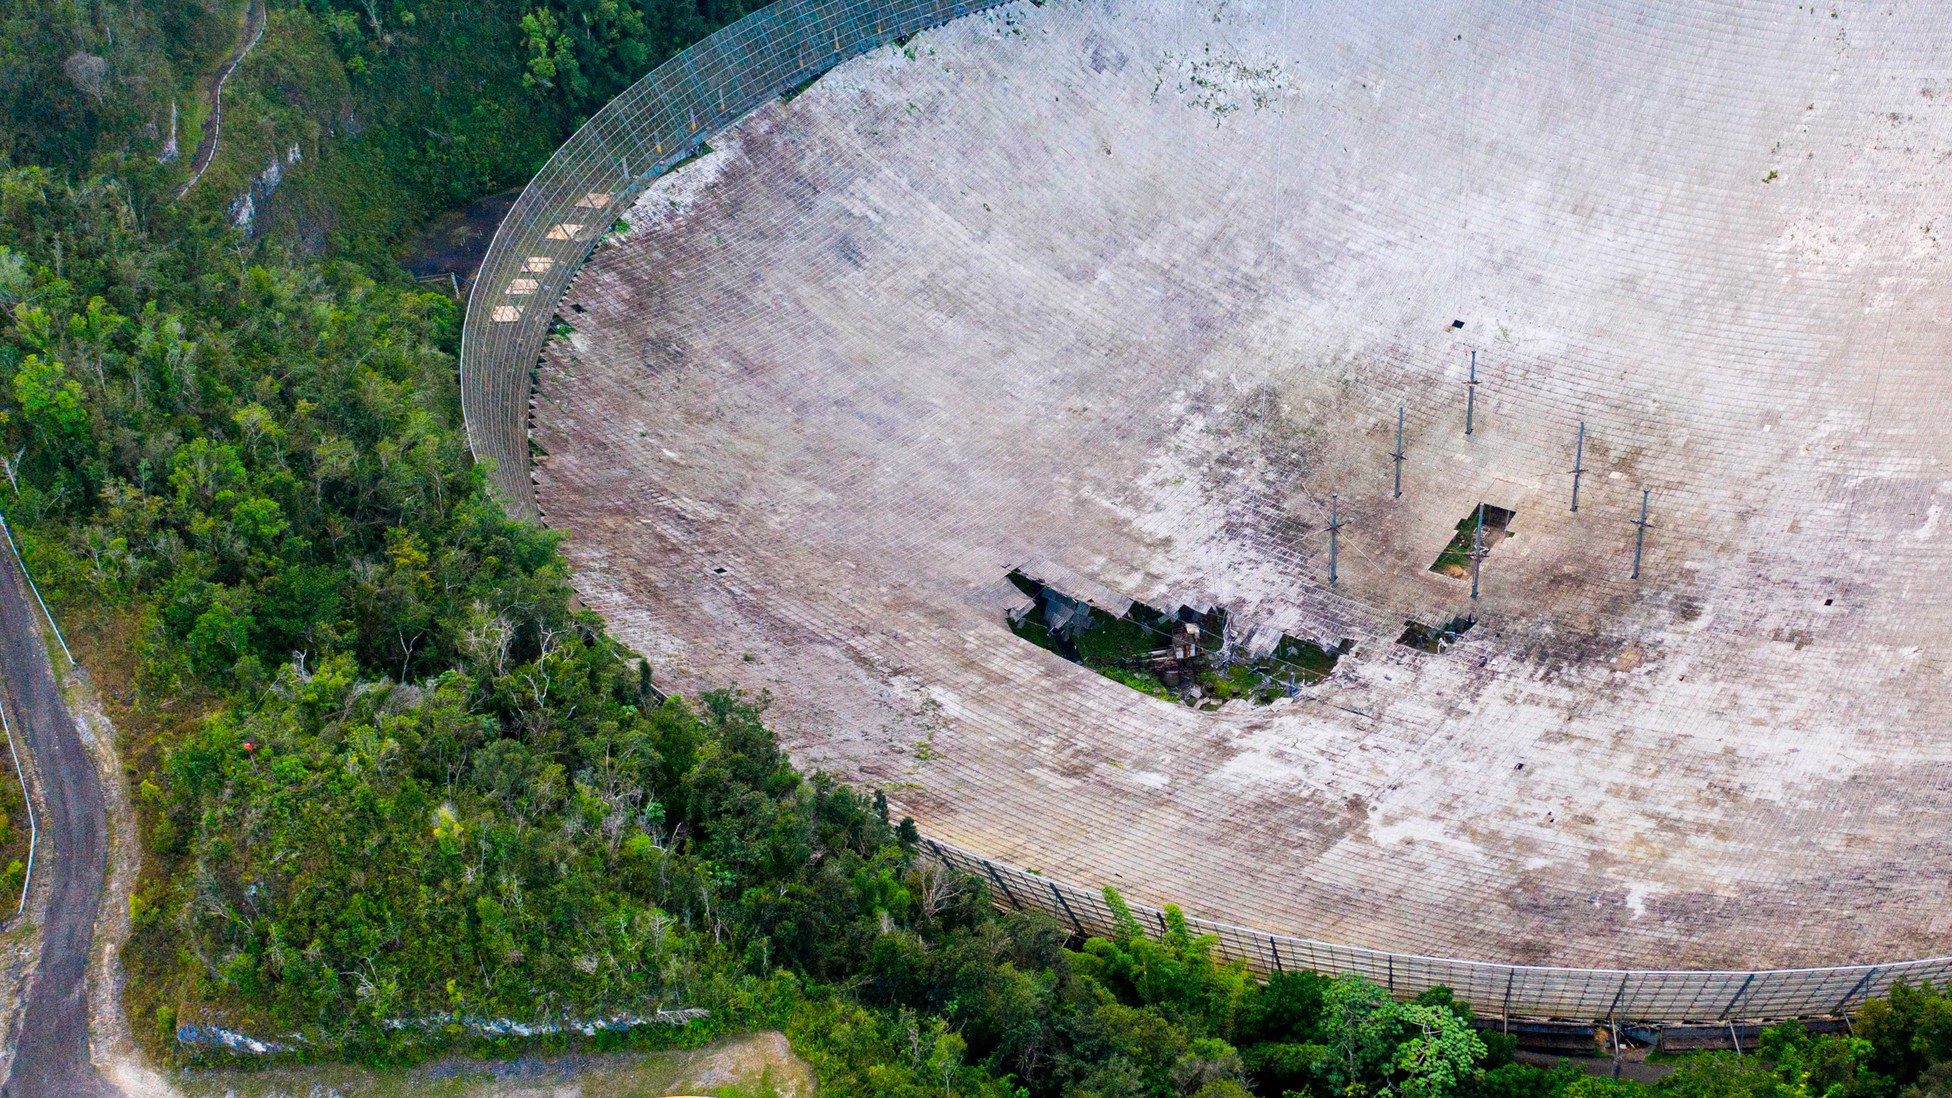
{"points": [[391, 783], [15, 834], [1455, 560], [757, 1065], [398, 108], [1134, 648], [1435, 638]]}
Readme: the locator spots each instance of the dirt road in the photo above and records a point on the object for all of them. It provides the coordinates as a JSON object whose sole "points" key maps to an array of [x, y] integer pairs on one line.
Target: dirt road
{"points": [[51, 1055]]}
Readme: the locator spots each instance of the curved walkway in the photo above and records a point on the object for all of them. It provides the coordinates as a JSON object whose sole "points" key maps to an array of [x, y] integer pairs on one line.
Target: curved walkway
{"points": [[51, 1045], [247, 37]]}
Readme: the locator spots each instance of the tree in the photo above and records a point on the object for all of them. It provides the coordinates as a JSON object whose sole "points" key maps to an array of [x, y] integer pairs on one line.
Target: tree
{"points": [[1440, 1053], [525, 783], [1378, 1046], [50, 403], [550, 59], [1908, 1031], [945, 1057], [221, 638]]}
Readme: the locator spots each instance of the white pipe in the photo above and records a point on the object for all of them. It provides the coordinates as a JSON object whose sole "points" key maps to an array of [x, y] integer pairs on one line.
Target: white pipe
{"points": [[32, 586], [33, 829]]}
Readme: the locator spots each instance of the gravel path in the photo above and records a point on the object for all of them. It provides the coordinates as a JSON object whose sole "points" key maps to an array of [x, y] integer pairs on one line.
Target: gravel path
{"points": [[51, 1055], [247, 37]]}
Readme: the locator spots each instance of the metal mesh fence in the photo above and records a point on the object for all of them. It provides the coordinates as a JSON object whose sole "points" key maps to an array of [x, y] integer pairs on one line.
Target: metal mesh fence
{"points": [[603, 167], [663, 119], [1525, 991]]}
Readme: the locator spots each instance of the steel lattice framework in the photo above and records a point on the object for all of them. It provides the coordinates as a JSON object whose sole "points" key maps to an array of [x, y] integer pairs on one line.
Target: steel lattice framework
{"points": [[659, 121], [664, 119], [1534, 991]]}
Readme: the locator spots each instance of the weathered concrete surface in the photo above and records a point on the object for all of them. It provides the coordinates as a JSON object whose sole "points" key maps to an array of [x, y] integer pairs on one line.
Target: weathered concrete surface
{"points": [[1121, 292]]}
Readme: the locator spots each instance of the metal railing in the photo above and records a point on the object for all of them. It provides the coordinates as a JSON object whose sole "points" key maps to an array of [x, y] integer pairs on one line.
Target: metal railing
{"points": [[1522, 991], [663, 119], [36, 588], [20, 772]]}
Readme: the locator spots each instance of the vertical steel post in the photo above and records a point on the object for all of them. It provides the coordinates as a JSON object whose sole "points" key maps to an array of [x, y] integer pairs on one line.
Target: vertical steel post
{"points": [[1002, 884], [1729, 1010], [1613, 1021], [1067, 909], [1398, 454], [1843, 1005], [1334, 528], [1578, 464], [1471, 395], [1477, 550], [1639, 534]]}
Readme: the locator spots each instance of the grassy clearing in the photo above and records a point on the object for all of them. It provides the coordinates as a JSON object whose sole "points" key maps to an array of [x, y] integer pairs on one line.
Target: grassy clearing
{"points": [[757, 1065]]}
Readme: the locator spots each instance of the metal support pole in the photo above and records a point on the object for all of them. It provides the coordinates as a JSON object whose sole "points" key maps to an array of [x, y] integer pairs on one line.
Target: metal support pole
{"points": [[1398, 454], [1000, 883], [1471, 395], [1843, 1005], [1639, 534], [1067, 909], [1578, 464], [1477, 550], [1729, 1010], [1334, 529], [1613, 1021]]}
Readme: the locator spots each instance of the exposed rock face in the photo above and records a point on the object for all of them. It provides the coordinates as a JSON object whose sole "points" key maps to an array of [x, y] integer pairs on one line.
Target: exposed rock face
{"points": [[244, 211], [170, 151]]}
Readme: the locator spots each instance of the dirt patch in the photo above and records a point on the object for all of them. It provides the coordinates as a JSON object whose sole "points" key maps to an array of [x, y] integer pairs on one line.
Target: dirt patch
{"points": [[453, 241], [127, 730], [20, 950], [111, 1045], [755, 1065]]}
